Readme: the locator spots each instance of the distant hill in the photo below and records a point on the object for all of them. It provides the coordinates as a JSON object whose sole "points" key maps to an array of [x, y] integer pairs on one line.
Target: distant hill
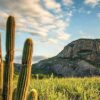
{"points": [[79, 58]]}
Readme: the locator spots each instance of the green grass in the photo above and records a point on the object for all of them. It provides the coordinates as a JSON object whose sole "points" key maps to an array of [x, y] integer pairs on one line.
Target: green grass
{"points": [[67, 88]]}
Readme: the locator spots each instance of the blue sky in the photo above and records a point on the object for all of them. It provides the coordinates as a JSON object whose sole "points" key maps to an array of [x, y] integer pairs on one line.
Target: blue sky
{"points": [[52, 24]]}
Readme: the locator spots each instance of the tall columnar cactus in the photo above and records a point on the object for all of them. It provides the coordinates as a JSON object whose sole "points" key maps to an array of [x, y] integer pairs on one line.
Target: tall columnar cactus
{"points": [[1, 70], [24, 78], [14, 94], [33, 95], [20, 93], [9, 65]]}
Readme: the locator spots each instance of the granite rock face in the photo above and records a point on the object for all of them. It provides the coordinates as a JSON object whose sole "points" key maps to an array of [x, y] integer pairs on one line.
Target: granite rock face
{"points": [[79, 58], [83, 48]]}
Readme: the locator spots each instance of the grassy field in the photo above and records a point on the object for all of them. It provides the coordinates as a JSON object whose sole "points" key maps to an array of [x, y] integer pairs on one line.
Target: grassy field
{"points": [[67, 88]]}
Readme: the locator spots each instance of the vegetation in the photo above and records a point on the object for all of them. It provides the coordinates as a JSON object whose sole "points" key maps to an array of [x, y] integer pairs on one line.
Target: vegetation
{"points": [[66, 88]]}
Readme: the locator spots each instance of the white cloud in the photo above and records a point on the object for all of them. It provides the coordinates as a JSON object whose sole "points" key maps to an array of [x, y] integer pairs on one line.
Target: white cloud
{"points": [[49, 40], [84, 11], [86, 35], [52, 41], [52, 4], [35, 59], [98, 15], [68, 2], [63, 36], [69, 13], [34, 19], [3, 14], [93, 3]]}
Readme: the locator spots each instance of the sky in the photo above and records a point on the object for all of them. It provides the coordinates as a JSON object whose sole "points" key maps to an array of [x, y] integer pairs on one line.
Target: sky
{"points": [[51, 24]]}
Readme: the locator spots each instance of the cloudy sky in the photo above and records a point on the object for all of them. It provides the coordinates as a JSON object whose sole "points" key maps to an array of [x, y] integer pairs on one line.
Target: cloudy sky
{"points": [[52, 24]]}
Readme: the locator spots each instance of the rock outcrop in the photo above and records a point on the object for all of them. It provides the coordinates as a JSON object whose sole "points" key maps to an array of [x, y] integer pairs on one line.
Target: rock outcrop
{"points": [[79, 58]]}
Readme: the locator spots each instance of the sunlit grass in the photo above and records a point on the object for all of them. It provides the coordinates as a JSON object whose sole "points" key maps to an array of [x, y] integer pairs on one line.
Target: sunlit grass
{"points": [[67, 88]]}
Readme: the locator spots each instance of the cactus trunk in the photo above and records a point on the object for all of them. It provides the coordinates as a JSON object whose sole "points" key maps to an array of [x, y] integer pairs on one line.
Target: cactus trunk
{"points": [[24, 78], [1, 70], [33, 95], [9, 65]]}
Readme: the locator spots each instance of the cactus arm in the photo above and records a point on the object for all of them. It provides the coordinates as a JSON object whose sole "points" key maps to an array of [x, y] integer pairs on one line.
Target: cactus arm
{"points": [[33, 95]]}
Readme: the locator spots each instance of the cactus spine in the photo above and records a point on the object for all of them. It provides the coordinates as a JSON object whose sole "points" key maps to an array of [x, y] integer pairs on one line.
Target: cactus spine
{"points": [[33, 95], [24, 78], [1, 70], [9, 65]]}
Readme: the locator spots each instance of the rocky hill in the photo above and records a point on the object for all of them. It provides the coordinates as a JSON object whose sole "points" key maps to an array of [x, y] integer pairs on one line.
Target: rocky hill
{"points": [[79, 58]]}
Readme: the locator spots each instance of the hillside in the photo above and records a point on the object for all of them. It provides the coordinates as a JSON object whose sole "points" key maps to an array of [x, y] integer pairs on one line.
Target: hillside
{"points": [[79, 58]]}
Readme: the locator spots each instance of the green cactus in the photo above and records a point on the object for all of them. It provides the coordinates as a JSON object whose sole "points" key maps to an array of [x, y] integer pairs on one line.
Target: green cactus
{"points": [[33, 95], [9, 65], [20, 93], [24, 78], [1, 70], [14, 94]]}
